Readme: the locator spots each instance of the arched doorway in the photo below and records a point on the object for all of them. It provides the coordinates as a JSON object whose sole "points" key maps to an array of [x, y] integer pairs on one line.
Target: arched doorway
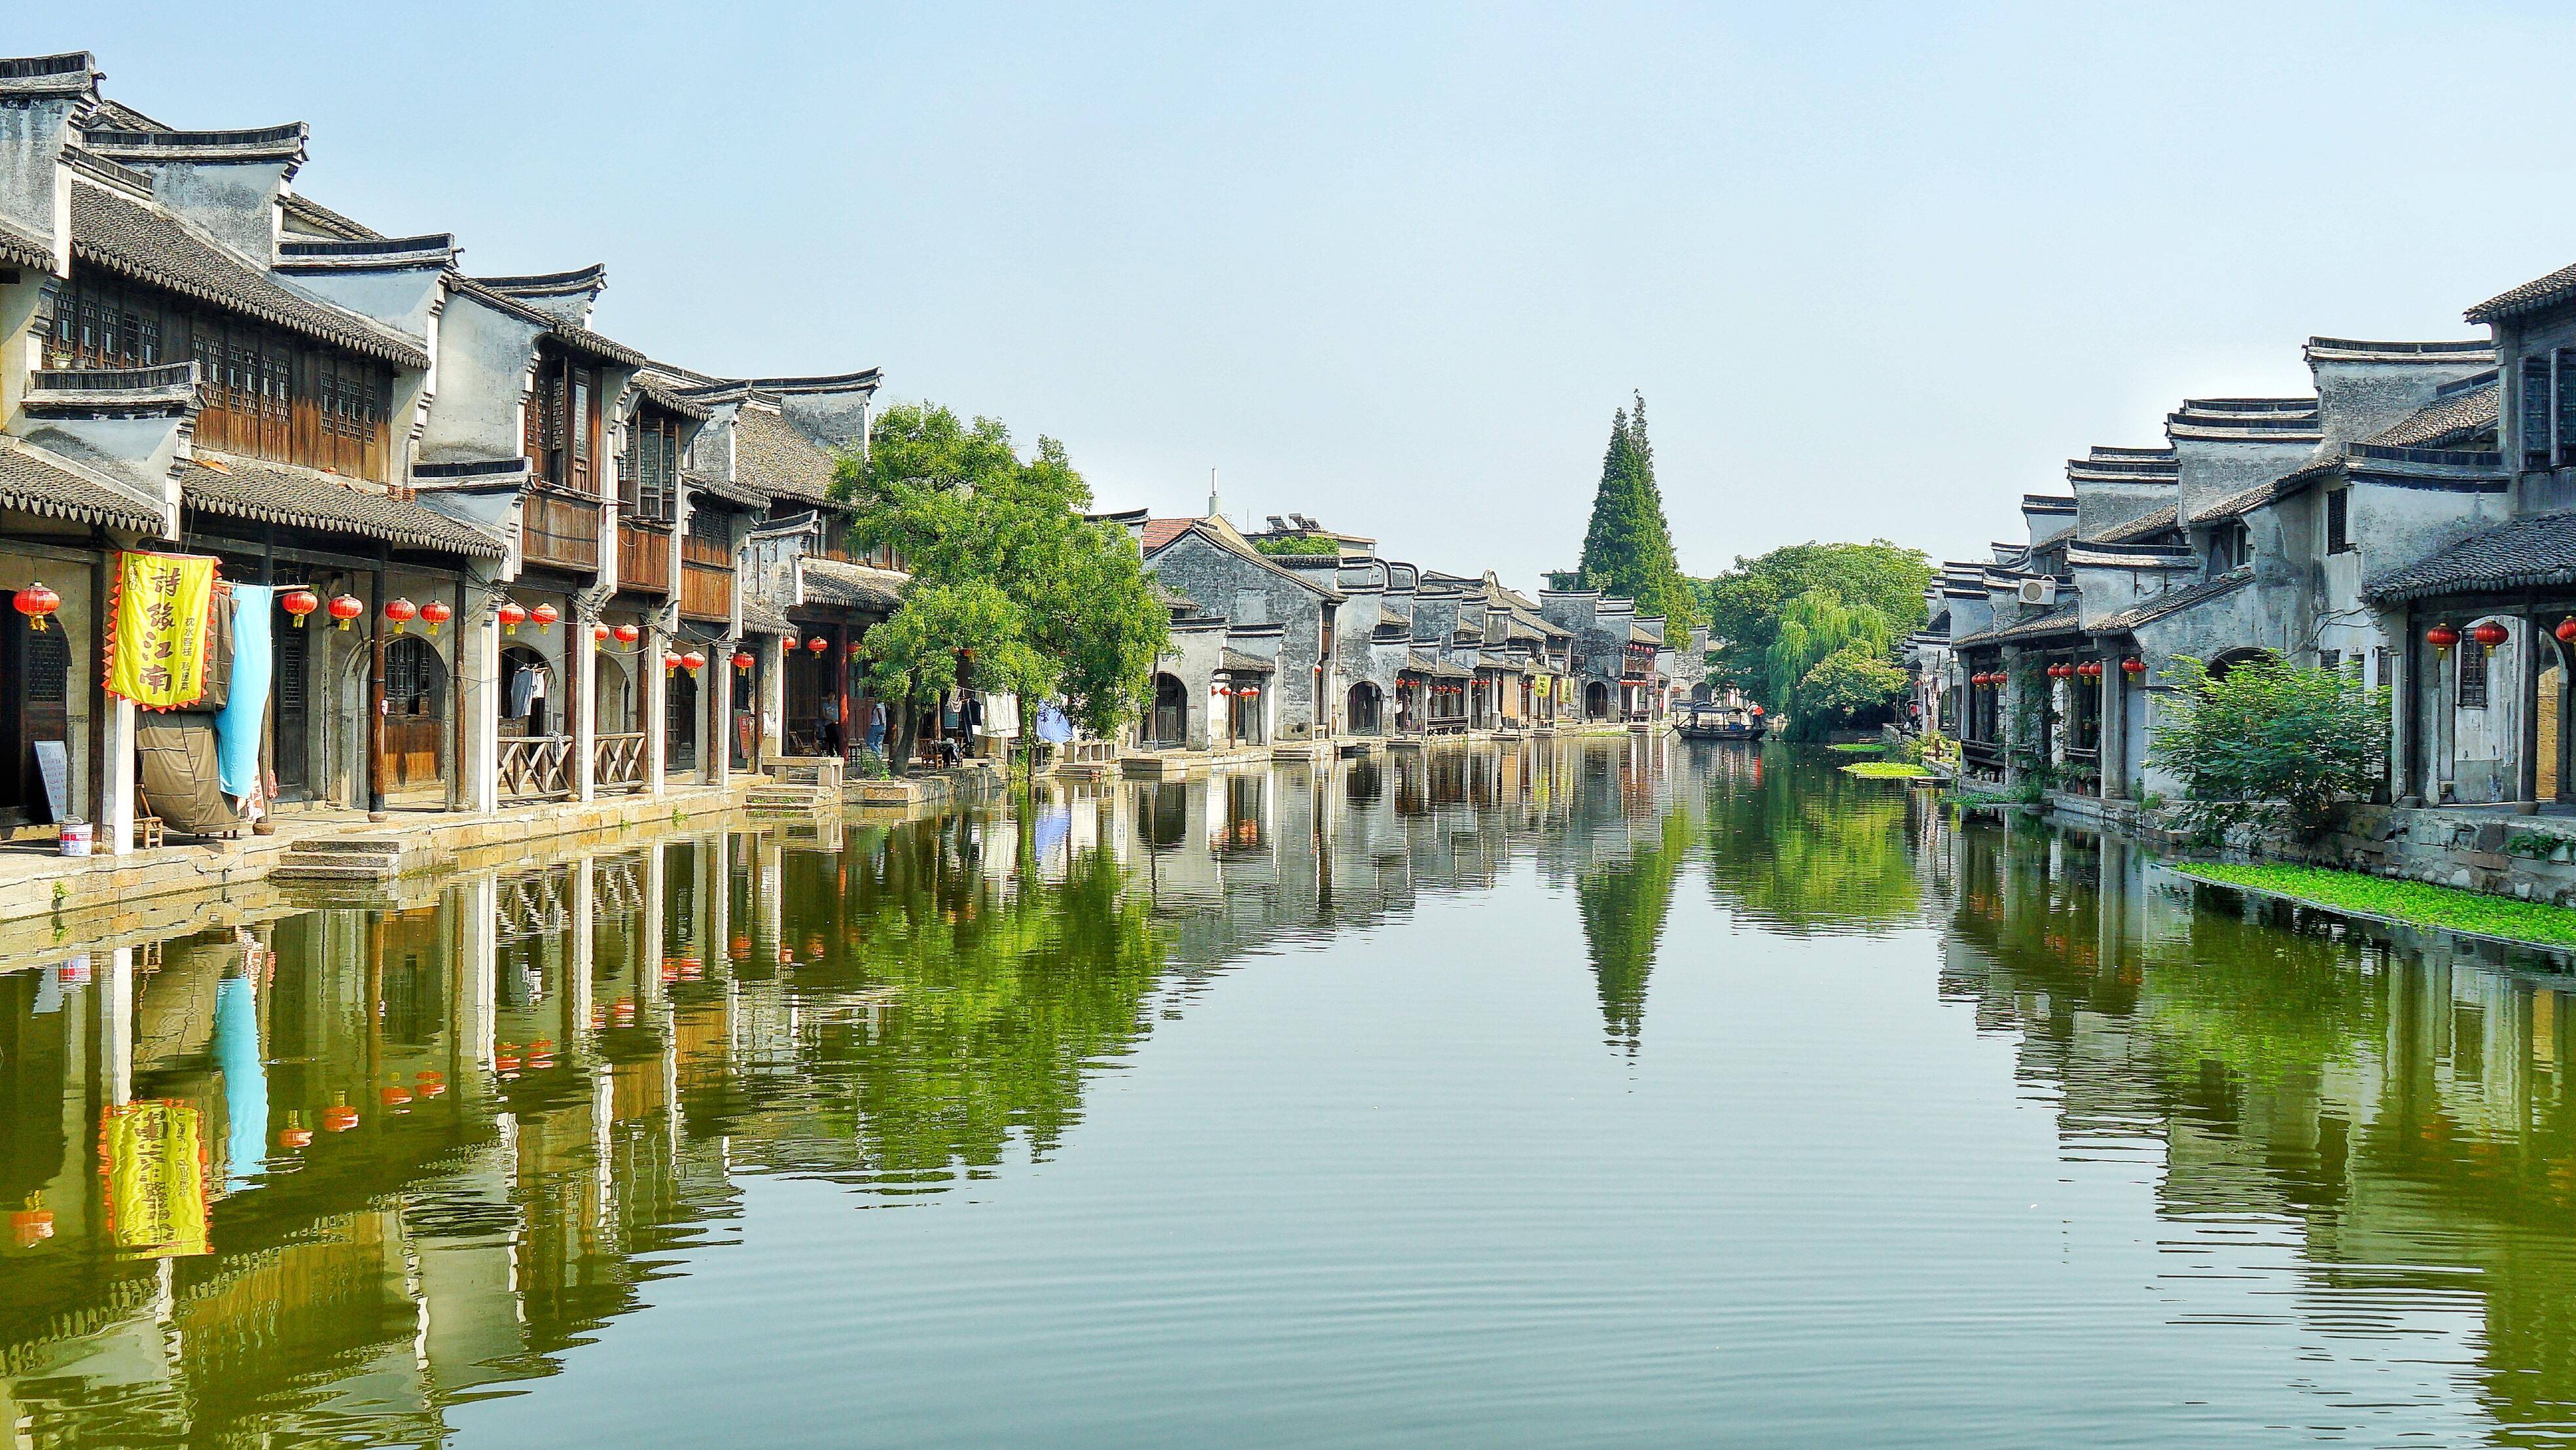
{"points": [[1169, 723], [1596, 701], [615, 690], [528, 703], [1364, 707], [2219, 666], [1700, 693], [415, 715]]}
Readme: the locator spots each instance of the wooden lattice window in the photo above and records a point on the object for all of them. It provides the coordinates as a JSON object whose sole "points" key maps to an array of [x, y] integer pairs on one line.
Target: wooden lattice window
{"points": [[2339, 521], [2473, 676], [2533, 425]]}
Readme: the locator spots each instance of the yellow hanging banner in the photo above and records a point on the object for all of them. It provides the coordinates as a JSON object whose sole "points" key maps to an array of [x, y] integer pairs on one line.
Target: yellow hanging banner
{"points": [[156, 654]]}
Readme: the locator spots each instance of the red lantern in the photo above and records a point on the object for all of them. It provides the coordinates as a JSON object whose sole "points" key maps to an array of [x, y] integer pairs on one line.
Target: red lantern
{"points": [[599, 634], [2441, 637], [299, 602], [693, 662], [1251, 691], [2133, 667], [435, 614], [2566, 630], [817, 645], [670, 662], [345, 607], [401, 612], [2090, 669], [36, 601], [544, 615], [742, 659], [628, 633], [854, 649], [791, 642], [2489, 634], [511, 616]]}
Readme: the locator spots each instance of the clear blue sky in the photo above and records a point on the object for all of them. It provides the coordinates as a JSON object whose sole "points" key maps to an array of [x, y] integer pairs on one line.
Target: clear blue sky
{"points": [[1878, 269]]}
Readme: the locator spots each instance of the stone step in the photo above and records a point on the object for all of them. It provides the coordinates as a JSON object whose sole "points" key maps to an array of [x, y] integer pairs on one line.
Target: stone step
{"points": [[383, 844], [328, 871]]}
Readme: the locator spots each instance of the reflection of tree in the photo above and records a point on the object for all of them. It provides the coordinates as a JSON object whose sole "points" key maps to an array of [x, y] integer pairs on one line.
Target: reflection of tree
{"points": [[997, 1001], [1800, 847], [1624, 904]]}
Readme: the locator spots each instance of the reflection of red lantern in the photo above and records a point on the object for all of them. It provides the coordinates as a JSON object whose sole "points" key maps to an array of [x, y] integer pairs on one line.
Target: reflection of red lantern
{"points": [[693, 662], [294, 1134], [2489, 634], [340, 1117], [435, 614], [430, 1084], [36, 601], [739, 948], [394, 1095], [345, 607], [33, 1224], [2441, 637], [2133, 667], [544, 615], [742, 659], [299, 602], [511, 616], [628, 633], [401, 612]]}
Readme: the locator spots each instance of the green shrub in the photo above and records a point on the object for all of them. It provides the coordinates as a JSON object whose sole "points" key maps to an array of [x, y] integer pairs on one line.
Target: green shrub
{"points": [[2270, 744]]}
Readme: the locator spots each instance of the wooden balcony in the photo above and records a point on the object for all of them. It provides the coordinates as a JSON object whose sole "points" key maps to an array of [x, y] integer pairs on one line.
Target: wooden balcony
{"points": [[560, 531], [644, 557], [536, 767], [706, 592]]}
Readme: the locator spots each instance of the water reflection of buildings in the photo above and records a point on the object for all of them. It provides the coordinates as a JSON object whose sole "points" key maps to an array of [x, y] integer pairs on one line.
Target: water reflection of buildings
{"points": [[330, 1173], [2404, 1110]]}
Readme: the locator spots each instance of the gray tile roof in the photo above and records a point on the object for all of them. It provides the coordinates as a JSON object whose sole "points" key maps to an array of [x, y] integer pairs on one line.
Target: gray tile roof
{"points": [[770, 454], [2531, 296], [723, 488], [2172, 601], [853, 586], [33, 481], [2244, 502], [668, 401], [759, 616], [133, 240], [2536, 551], [323, 219], [2448, 422], [2064, 619], [2145, 526], [279, 493], [1241, 663], [18, 249]]}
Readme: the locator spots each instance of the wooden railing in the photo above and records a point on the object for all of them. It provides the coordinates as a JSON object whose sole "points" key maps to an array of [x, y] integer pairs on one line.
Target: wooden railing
{"points": [[706, 591], [644, 557], [536, 767], [617, 762], [1986, 753], [560, 530]]}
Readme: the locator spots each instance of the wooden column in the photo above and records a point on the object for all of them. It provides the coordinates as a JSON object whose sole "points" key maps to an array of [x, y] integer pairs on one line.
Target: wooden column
{"points": [[375, 731]]}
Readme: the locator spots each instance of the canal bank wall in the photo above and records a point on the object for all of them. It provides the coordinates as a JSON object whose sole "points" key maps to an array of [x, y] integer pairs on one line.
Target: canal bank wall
{"points": [[2491, 851]]}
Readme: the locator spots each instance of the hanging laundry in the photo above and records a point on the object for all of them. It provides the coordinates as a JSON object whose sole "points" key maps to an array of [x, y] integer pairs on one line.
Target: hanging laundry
{"points": [[238, 722]]}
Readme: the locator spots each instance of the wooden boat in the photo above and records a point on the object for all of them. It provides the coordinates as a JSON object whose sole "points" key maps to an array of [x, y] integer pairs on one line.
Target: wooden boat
{"points": [[1722, 722]]}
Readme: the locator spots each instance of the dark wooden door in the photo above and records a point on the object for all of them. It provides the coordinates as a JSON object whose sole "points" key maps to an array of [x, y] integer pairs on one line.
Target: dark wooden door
{"points": [[680, 722], [414, 690], [288, 697], [36, 668]]}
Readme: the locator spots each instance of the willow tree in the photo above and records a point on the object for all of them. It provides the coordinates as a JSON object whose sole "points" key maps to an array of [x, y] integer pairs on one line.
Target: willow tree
{"points": [[1628, 548], [1822, 652]]}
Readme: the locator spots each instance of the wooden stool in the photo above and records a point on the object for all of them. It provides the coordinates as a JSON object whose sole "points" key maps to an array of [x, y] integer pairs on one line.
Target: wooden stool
{"points": [[147, 831]]}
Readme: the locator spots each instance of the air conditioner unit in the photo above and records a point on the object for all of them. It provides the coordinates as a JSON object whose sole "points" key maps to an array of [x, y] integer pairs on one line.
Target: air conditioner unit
{"points": [[2039, 591]]}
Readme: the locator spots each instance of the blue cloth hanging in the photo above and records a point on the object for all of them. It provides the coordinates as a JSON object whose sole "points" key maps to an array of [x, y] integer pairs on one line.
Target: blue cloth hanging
{"points": [[237, 725]]}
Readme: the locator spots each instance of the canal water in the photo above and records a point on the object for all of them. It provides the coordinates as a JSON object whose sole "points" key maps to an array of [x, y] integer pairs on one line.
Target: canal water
{"points": [[1603, 1091]]}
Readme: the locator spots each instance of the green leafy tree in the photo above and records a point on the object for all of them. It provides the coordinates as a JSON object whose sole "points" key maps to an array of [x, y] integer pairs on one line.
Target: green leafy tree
{"points": [[941, 631], [961, 507], [1848, 684], [2268, 743], [1828, 662], [1628, 548], [1745, 602], [1298, 544]]}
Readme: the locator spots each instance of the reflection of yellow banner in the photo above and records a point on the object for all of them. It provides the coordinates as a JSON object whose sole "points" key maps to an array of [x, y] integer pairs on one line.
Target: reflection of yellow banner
{"points": [[157, 645], [156, 1179]]}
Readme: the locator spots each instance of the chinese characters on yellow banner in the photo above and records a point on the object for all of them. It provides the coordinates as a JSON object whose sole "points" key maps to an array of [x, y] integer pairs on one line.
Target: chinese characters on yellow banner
{"points": [[157, 645]]}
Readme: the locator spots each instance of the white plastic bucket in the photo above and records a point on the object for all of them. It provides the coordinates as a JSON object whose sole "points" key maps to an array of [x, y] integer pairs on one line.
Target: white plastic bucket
{"points": [[76, 838]]}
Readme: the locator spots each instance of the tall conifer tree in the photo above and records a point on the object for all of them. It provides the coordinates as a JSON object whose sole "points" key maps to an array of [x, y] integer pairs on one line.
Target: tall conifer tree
{"points": [[1628, 549]]}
